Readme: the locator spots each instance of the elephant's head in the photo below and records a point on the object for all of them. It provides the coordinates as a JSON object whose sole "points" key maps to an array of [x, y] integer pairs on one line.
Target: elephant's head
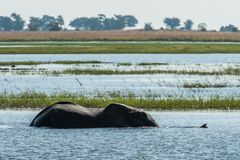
{"points": [[140, 118], [121, 115]]}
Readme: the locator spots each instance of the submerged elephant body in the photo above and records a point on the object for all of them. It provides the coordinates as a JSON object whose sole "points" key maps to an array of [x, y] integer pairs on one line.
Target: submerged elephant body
{"points": [[70, 115]]}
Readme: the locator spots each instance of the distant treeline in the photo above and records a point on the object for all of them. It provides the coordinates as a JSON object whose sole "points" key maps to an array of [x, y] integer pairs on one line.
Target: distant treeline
{"points": [[99, 23]]}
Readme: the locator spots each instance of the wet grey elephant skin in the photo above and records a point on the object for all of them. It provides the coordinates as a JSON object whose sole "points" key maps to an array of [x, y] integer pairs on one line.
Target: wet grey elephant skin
{"points": [[70, 115]]}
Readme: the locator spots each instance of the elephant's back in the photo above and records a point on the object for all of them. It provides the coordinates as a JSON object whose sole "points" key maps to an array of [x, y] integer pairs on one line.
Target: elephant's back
{"points": [[73, 108], [62, 111]]}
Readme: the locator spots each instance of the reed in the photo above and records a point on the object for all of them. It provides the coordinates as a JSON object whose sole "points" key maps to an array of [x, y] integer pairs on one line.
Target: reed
{"points": [[40, 100], [200, 85], [43, 71], [228, 71], [134, 35]]}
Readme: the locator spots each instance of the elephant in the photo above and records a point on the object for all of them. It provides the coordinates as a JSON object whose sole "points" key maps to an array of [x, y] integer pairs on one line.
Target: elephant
{"points": [[71, 115]]}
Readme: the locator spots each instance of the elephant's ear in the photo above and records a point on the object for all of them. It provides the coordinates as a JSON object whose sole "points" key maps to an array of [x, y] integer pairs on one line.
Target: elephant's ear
{"points": [[136, 113], [133, 113]]}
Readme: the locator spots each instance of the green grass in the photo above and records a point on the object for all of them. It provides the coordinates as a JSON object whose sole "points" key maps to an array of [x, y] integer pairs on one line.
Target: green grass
{"points": [[232, 71], [122, 48], [124, 64], [200, 85], [74, 62], [151, 64], [40, 100], [228, 71]]}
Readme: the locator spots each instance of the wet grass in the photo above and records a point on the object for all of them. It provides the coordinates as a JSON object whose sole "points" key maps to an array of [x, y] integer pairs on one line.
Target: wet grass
{"points": [[75, 62], [54, 62], [151, 64], [200, 85], [124, 64], [228, 71], [43, 71], [40, 100], [124, 48], [232, 71]]}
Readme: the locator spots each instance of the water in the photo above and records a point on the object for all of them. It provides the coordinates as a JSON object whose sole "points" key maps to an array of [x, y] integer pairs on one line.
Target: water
{"points": [[49, 68], [220, 141], [161, 86], [157, 85], [132, 58]]}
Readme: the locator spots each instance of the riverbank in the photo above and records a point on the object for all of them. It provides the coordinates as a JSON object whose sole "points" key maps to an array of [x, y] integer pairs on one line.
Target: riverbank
{"points": [[40, 100]]}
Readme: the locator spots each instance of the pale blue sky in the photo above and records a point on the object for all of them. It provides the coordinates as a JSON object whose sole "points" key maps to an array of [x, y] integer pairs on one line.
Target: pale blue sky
{"points": [[213, 12]]}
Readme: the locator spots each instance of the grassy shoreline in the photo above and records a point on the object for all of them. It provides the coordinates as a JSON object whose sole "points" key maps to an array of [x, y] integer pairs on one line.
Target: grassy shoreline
{"points": [[39, 100], [121, 48]]}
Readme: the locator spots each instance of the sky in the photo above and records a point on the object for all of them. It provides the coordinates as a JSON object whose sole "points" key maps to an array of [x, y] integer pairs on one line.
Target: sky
{"points": [[214, 13]]}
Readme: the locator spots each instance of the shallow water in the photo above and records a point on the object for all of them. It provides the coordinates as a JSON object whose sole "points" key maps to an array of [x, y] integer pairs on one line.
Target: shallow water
{"points": [[157, 85], [49, 68], [161, 86], [131, 58], [220, 141]]}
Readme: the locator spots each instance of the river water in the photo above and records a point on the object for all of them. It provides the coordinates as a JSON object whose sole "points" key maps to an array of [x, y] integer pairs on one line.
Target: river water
{"points": [[171, 141], [220, 141]]}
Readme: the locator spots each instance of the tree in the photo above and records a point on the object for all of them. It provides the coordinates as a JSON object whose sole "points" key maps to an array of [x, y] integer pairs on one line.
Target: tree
{"points": [[86, 24], [188, 25], [79, 23], [46, 23], [55, 24], [109, 23], [5, 23], [102, 22], [148, 27], [60, 20], [17, 23], [202, 27], [35, 24], [94, 24], [130, 21], [12, 23], [229, 28], [119, 22], [172, 23]]}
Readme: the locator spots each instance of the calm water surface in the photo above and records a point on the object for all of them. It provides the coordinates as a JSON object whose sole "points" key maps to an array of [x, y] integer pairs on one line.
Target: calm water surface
{"points": [[220, 141]]}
